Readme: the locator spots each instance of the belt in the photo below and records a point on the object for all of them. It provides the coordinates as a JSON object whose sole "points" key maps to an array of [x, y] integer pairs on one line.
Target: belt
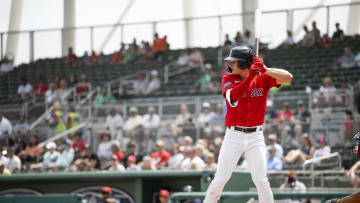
{"points": [[245, 130]]}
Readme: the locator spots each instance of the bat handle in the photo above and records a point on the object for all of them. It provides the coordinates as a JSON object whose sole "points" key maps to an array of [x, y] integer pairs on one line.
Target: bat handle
{"points": [[257, 50]]}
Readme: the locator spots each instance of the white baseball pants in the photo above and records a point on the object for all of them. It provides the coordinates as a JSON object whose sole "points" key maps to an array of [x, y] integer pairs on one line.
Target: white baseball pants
{"points": [[253, 146]]}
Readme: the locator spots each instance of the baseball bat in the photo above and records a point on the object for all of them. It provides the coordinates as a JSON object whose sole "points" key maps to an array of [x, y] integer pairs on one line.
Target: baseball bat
{"points": [[257, 29]]}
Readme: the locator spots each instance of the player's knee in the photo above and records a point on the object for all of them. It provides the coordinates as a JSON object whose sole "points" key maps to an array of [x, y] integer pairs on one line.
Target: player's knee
{"points": [[260, 181]]}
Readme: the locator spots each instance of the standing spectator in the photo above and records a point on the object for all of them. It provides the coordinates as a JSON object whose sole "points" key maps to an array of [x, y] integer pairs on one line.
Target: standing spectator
{"points": [[21, 127], [176, 157], [58, 118], [73, 120], [13, 163], [154, 83], [274, 163], [205, 119], [316, 32], [25, 89], [114, 123], [104, 149], [40, 89], [292, 183], [217, 123], [279, 152], [183, 59], [104, 97], [104, 59], [85, 59], [132, 166], [227, 41], [79, 143], [323, 148], [94, 58], [133, 127], [338, 34], [183, 119], [159, 46], [351, 174], [130, 54], [3, 169], [72, 59], [289, 41], [5, 126], [347, 60], [161, 156], [151, 124], [116, 57], [325, 41], [305, 152], [50, 94], [309, 38], [195, 59], [140, 85]]}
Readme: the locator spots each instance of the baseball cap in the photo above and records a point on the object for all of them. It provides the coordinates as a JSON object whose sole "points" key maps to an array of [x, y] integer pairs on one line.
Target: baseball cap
{"points": [[131, 158], [154, 72], [164, 193], [300, 102], [206, 105], [272, 137], [321, 140], [106, 189], [51, 145], [160, 143], [133, 109]]}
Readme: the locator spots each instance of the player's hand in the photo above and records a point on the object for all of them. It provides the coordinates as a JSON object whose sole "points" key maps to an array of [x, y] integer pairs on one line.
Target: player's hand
{"points": [[259, 63], [253, 70]]}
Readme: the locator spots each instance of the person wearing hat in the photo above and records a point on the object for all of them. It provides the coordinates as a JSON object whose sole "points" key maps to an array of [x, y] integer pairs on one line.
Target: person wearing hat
{"points": [[106, 196], [67, 156], [50, 157], [204, 120], [273, 163], [134, 126], [154, 83], [3, 170], [272, 142], [161, 156], [114, 123], [13, 163], [323, 148], [164, 196]]}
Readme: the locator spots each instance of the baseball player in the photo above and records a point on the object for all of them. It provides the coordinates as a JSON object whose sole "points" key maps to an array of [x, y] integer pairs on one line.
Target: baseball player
{"points": [[245, 90]]}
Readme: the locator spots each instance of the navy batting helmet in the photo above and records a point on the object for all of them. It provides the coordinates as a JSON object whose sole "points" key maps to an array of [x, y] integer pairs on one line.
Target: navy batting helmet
{"points": [[243, 55]]}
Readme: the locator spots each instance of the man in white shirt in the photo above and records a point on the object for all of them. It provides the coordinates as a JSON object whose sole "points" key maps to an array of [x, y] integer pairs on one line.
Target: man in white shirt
{"points": [[272, 143], [133, 127], [13, 163], [24, 89], [196, 163], [183, 59], [5, 126], [140, 85], [205, 118], [114, 123], [151, 124], [154, 83], [323, 148]]}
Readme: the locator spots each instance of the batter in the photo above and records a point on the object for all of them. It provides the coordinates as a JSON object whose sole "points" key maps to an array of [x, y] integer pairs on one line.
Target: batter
{"points": [[245, 90]]}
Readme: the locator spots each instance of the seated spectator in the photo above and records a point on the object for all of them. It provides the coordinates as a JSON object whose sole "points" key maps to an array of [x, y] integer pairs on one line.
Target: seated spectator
{"points": [[326, 97], [32, 151], [161, 156], [146, 52], [13, 163], [323, 148], [210, 162], [20, 145], [217, 123], [183, 119], [309, 38], [133, 127], [58, 79], [104, 149], [116, 150], [6, 65], [269, 125], [85, 59], [113, 165], [91, 158], [66, 157], [5, 126], [73, 81], [351, 174], [188, 141], [284, 121], [50, 157], [132, 166], [147, 163], [3, 169], [94, 58], [183, 59], [227, 41], [62, 90], [176, 157], [21, 127], [302, 119], [132, 151], [274, 163], [195, 59], [116, 57], [316, 32], [50, 94], [72, 59], [204, 120], [292, 183], [305, 152], [325, 41], [151, 124], [195, 162], [279, 152], [79, 143], [130, 54], [238, 41], [248, 40], [207, 82], [154, 83], [104, 97], [140, 85], [40, 89], [114, 123], [347, 60], [25, 89], [338, 34], [104, 59], [289, 41], [83, 86]]}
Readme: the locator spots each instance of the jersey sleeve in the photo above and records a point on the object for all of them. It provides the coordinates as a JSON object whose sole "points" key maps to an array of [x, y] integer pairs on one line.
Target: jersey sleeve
{"points": [[271, 82], [226, 84]]}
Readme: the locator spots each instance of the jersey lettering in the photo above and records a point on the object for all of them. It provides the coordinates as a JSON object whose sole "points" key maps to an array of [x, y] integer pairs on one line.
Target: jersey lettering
{"points": [[256, 92]]}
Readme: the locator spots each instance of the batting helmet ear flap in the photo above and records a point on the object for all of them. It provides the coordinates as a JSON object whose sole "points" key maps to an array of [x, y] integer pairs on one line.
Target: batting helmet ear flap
{"points": [[229, 69]]}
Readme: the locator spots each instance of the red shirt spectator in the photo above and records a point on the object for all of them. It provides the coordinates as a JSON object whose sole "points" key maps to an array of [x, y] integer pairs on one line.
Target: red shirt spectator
{"points": [[325, 41], [72, 58], [285, 115], [94, 58], [161, 157], [119, 155], [79, 143], [41, 88]]}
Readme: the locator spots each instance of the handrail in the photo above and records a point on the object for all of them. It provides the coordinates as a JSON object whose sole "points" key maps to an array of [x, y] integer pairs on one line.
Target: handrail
{"points": [[81, 125], [328, 156]]}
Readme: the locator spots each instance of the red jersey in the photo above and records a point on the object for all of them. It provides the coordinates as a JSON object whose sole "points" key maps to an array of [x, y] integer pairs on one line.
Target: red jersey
{"points": [[79, 144], [162, 157], [249, 110]]}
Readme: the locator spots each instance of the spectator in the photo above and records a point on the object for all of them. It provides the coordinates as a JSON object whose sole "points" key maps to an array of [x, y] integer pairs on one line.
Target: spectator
{"points": [[85, 59], [292, 183], [6, 66], [130, 54], [176, 157], [206, 82], [3, 169], [284, 121], [151, 124], [62, 91], [106, 196], [210, 162], [91, 157], [289, 41], [66, 157], [50, 157], [20, 145], [140, 85], [188, 141], [279, 152], [21, 127], [104, 59], [25, 89], [132, 151], [182, 120], [79, 143], [326, 95], [40, 89], [238, 41], [58, 119], [159, 46], [357, 59], [227, 41], [84, 85], [274, 163], [58, 79], [72, 59], [247, 40], [104, 97], [269, 125], [94, 58], [195, 162], [161, 156], [32, 151], [217, 123], [147, 164], [73, 120], [305, 152], [349, 126], [325, 41], [338, 34], [316, 32], [133, 127], [309, 38], [5, 126], [183, 59], [351, 174], [13, 163], [323, 148], [347, 60], [114, 164], [116, 57], [195, 59], [132, 166], [205, 119], [154, 83], [104, 149], [116, 150], [164, 196], [50, 94], [302, 119], [114, 123]]}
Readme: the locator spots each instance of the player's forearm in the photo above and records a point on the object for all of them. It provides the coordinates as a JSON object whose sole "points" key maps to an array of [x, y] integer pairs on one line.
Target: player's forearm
{"points": [[279, 74], [238, 91]]}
